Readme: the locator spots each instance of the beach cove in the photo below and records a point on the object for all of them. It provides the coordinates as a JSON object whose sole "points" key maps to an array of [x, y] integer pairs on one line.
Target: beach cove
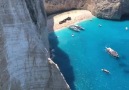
{"points": [[76, 16], [81, 58]]}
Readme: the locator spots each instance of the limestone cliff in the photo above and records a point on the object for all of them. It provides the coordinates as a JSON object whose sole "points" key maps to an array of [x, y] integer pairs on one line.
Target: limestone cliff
{"points": [[24, 63], [54, 6], [109, 9]]}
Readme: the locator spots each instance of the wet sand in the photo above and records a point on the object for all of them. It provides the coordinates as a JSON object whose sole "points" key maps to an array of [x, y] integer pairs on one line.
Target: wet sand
{"points": [[76, 16]]}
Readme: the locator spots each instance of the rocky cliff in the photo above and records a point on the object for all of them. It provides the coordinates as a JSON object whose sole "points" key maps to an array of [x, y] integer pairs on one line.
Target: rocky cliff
{"points": [[54, 6], [24, 56], [108, 9]]}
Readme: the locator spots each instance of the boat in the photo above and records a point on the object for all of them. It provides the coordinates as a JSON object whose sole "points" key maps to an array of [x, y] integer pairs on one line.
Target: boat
{"points": [[105, 70], [112, 52], [72, 27], [100, 25], [126, 28], [79, 27]]}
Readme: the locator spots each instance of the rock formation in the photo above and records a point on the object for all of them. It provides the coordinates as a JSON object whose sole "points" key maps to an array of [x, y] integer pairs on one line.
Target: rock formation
{"points": [[54, 6], [24, 55], [108, 9]]}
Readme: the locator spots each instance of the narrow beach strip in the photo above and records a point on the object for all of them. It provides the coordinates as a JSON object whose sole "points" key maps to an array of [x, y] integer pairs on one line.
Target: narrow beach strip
{"points": [[76, 16]]}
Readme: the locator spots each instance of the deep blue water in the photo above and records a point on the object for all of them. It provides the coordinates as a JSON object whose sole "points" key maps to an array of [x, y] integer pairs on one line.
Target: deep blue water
{"points": [[82, 57]]}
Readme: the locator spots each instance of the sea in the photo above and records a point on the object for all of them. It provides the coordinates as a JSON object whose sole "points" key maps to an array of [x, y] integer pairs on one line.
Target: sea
{"points": [[81, 55]]}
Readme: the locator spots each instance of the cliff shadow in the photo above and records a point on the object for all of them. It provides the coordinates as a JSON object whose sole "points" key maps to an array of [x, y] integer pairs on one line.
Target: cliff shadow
{"points": [[60, 57], [124, 17]]}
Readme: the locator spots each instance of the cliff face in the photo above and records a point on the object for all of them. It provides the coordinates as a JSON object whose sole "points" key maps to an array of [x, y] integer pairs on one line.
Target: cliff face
{"points": [[108, 9], [24, 55], [54, 6]]}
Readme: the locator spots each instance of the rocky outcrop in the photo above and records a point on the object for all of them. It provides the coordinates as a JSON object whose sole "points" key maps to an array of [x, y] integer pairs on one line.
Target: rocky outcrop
{"points": [[108, 9], [54, 6], [24, 55]]}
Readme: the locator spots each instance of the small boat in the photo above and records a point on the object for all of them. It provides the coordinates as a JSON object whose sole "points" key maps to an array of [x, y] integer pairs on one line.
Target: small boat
{"points": [[74, 28], [72, 35], [112, 52], [126, 28], [100, 25], [105, 70], [79, 27]]}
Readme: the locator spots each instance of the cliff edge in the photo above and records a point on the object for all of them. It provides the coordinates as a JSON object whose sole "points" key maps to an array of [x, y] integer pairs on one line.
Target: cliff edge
{"points": [[24, 55]]}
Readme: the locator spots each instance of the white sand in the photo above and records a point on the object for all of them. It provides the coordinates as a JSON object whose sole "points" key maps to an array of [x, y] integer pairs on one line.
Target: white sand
{"points": [[76, 16]]}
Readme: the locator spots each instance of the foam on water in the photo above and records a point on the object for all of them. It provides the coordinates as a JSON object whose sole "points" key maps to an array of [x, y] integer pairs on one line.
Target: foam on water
{"points": [[82, 56]]}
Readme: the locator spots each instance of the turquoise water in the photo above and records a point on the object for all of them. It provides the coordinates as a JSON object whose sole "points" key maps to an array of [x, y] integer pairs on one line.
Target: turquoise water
{"points": [[82, 57]]}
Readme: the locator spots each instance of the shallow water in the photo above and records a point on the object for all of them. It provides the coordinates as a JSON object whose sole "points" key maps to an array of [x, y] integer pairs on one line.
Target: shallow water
{"points": [[82, 56]]}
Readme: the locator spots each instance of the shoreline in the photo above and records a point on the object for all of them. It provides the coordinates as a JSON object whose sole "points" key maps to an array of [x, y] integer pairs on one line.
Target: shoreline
{"points": [[76, 17]]}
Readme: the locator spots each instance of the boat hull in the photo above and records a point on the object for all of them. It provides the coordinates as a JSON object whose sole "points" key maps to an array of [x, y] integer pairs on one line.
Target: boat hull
{"points": [[112, 52]]}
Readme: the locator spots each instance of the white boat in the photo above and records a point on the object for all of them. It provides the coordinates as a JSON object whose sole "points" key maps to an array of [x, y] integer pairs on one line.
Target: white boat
{"points": [[105, 70], [100, 25], [79, 27], [126, 28], [112, 52], [72, 27]]}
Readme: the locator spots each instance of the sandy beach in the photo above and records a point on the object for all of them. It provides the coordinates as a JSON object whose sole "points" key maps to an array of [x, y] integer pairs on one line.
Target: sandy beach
{"points": [[76, 16]]}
